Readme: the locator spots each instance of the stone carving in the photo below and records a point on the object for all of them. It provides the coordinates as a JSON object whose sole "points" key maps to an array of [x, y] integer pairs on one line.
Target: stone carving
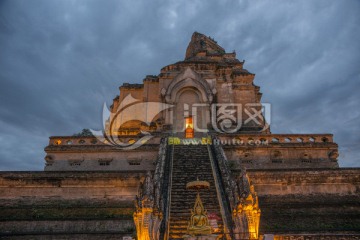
{"points": [[188, 78], [305, 156], [199, 222], [148, 215], [333, 155], [242, 198], [147, 218], [229, 184], [276, 155], [247, 212], [243, 184]]}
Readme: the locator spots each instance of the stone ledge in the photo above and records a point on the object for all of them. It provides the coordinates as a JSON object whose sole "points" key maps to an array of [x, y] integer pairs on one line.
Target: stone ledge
{"points": [[10, 228]]}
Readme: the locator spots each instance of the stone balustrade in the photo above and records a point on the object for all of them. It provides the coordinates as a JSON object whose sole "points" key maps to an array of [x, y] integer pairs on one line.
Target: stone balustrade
{"points": [[278, 138], [89, 140], [226, 138]]}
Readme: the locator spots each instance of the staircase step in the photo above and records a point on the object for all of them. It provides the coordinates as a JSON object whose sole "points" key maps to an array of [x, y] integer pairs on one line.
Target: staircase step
{"points": [[190, 162]]}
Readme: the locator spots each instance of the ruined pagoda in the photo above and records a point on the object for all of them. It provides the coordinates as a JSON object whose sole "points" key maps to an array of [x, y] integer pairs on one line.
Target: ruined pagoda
{"points": [[200, 118]]}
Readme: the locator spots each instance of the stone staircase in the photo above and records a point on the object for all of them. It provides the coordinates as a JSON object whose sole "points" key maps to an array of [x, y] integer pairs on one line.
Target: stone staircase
{"points": [[189, 163]]}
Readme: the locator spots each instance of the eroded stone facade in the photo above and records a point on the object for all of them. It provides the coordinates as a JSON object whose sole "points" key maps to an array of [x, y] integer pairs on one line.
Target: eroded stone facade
{"points": [[63, 204], [207, 76], [293, 187]]}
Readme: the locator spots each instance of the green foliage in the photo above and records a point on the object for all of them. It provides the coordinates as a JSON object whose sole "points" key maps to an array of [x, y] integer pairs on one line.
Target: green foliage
{"points": [[84, 133]]}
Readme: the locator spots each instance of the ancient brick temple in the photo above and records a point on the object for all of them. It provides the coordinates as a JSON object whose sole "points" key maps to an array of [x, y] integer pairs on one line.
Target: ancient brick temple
{"points": [[187, 154]]}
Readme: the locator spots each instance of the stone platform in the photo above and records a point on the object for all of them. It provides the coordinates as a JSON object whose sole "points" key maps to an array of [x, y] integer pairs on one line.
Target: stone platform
{"points": [[291, 201]]}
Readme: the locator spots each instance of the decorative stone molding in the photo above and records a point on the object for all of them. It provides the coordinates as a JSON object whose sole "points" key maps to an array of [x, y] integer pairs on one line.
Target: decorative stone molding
{"points": [[147, 218], [305, 156], [49, 158], [323, 236], [276, 154], [246, 215], [188, 79], [75, 162], [242, 198], [148, 215], [104, 161], [134, 161], [333, 155]]}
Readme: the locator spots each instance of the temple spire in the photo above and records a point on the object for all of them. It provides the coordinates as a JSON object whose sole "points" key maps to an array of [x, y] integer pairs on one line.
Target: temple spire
{"points": [[201, 43]]}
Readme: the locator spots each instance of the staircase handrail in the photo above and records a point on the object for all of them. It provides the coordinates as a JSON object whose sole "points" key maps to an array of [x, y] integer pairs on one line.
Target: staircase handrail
{"points": [[224, 182], [164, 174]]}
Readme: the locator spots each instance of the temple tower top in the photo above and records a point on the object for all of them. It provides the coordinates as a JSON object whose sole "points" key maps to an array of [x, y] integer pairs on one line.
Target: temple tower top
{"points": [[200, 43]]}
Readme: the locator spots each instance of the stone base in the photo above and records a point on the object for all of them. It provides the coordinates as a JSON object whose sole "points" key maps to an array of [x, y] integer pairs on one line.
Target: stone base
{"points": [[201, 237]]}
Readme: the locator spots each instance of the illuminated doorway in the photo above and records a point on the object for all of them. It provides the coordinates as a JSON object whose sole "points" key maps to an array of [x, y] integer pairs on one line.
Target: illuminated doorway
{"points": [[189, 127]]}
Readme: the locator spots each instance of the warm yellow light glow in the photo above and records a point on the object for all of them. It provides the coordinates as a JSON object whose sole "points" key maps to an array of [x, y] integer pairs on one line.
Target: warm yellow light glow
{"points": [[189, 122], [189, 127]]}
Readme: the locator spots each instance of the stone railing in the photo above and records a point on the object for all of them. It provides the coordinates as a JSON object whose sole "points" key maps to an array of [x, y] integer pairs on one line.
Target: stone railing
{"points": [[90, 140], [223, 178], [159, 173], [311, 237], [225, 139], [239, 199], [152, 200], [257, 139], [166, 191]]}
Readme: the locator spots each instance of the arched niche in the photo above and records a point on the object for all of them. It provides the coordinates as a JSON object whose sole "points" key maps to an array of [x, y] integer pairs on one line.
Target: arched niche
{"points": [[188, 79], [190, 102], [188, 88]]}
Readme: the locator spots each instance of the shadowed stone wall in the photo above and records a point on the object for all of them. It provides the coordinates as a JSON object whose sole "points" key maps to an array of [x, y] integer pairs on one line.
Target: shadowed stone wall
{"points": [[308, 201], [68, 205], [90, 203]]}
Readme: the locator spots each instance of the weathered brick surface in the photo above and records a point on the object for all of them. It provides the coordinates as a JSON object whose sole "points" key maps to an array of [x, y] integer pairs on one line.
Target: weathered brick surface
{"points": [[291, 201], [308, 201]]}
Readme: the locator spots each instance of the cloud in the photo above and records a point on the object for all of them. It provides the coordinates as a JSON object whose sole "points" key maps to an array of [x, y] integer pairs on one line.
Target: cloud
{"points": [[60, 60]]}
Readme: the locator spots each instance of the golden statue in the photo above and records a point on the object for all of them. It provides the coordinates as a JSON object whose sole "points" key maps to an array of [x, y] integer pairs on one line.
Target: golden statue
{"points": [[199, 222]]}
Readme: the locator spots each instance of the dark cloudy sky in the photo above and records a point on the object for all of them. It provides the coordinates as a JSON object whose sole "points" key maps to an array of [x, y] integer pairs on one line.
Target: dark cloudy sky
{"points": [[61, 60]]}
